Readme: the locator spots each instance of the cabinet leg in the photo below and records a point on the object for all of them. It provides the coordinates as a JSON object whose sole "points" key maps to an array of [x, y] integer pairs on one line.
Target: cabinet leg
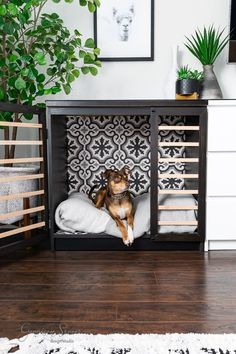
{"points": [[201, 247], [52, 244]]}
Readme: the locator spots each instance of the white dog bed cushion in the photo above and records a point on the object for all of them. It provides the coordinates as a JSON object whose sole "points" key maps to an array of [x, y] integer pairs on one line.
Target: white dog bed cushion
{"points": [[78, 213]]}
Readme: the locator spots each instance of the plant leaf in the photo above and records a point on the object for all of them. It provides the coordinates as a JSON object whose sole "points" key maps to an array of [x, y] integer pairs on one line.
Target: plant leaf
{"points": [[20, 84], [13, 58], [89, 43], [76, 72], [91, 6], [40, 78], [67, 89], [85, 70], [1, 94], [3, 10], [83, 2], [28, 116], [93, 70], [40, 58]]}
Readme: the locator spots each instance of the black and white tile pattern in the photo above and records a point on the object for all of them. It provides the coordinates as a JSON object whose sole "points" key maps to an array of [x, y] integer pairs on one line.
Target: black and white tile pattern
{"points": [[101, 142]]}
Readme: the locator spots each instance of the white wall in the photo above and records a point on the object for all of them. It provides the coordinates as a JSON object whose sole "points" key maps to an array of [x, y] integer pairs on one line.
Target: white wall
{"points": [[173, 20], [137, 80]]}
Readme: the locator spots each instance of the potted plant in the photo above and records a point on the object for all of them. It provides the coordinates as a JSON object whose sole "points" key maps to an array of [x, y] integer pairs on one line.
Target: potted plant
{"points": [[206, 46], [188, 81], [38, 56]]}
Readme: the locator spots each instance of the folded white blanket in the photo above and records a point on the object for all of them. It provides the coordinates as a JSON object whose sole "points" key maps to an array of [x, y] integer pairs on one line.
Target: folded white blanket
{"points": [[78, 213]]}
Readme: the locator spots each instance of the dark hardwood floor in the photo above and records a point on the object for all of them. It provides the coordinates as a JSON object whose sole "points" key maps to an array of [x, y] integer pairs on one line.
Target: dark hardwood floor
{"points": [[107, 292]]}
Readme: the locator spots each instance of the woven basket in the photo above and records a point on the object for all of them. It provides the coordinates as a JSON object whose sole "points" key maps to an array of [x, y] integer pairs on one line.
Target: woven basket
{"points": [[6, 188]]}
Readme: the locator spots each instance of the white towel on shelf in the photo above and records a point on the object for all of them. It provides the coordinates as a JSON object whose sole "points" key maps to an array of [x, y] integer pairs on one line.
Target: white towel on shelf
{"points": [[78, 213]]}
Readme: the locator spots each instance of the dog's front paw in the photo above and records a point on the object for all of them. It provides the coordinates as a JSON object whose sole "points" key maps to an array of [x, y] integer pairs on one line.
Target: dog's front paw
{"points": [[130, 235], [126, 241]]}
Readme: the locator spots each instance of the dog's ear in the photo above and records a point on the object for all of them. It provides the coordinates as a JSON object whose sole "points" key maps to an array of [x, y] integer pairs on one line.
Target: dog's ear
{"points": [[126, 171], [107, 173]]}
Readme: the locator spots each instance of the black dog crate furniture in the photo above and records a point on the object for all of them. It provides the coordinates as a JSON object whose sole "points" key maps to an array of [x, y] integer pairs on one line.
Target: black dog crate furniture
{"points": [[164, 144]]}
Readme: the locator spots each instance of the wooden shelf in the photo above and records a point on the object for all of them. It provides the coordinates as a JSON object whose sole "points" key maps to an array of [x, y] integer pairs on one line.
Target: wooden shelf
{"points": [[21, 178], [178, 223], [177, 159], [22, 229], [21, 195], [22, 212], [177, 207], [178, 191], [22, 160], [20, 125], [169, 144], [21, 142], [178, 127]]}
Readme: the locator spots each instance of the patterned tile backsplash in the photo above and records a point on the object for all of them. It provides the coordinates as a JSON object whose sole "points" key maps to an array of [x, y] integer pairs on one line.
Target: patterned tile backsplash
{"points": [[101, 142]]}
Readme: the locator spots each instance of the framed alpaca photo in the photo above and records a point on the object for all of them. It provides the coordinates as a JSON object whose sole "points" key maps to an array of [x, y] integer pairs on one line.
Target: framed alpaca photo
{"points": [[124, 30]]}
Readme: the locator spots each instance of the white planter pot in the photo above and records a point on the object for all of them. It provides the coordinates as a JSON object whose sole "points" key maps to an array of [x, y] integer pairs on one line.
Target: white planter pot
{"points": [[6, 188]]}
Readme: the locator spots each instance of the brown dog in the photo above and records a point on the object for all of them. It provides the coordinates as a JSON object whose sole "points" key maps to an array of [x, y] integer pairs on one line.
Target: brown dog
{"points": [[117, 200]]}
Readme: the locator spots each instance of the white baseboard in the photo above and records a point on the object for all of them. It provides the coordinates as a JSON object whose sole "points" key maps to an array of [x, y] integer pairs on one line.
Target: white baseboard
{"points": [[220, 245]]}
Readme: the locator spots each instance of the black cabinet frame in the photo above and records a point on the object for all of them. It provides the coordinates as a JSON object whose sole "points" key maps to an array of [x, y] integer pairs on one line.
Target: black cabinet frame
{"points": [[57, 169]]}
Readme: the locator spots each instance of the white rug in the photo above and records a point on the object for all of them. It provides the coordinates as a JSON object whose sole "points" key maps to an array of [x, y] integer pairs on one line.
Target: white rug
{"points": [[122, 344]]}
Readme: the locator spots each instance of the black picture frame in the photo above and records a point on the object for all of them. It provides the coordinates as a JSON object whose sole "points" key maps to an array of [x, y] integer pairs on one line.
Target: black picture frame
{"points": [[232, 42], [149, 57]]}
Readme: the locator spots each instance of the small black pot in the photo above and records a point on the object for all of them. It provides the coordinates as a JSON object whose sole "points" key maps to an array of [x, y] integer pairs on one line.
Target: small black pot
{"points": [[187, 86]]}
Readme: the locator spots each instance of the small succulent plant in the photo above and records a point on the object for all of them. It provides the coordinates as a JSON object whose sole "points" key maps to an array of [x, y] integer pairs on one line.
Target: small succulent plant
{"points": [[183, 72], [197, 75], [186, 73]]}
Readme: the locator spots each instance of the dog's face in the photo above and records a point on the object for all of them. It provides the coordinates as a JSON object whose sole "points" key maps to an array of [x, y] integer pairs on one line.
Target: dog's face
{"points": [[117, 181], [123, 19]]}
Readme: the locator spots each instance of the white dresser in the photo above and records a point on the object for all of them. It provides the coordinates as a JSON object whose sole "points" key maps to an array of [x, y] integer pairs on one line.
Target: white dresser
{"points": [[221, 176]]}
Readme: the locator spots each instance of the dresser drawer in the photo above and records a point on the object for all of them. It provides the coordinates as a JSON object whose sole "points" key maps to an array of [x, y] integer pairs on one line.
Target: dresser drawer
{"points": [[221, 174], [221, 128], [221, 221]]}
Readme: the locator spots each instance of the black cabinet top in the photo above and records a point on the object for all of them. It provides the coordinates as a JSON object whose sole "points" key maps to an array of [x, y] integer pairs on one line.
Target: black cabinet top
{"points": [[125, 103]]}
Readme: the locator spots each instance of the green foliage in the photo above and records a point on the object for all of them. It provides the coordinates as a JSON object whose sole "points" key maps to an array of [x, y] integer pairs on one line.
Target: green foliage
{"points": [[185, 73], [207, 45], [91, 4], [197, 75], [38, 54]]}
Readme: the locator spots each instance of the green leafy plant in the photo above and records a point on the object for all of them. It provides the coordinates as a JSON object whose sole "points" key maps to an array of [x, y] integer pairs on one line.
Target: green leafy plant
{"points": [[197, 75], [185, 73], [207, 45], [39, 56]]}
